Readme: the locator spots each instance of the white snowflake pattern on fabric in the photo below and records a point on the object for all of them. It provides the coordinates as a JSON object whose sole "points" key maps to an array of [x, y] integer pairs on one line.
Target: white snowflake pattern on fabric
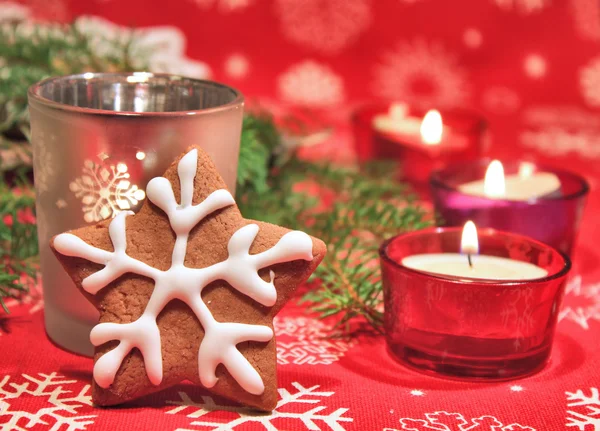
{"points": [[158, 49], [535, 66], [523, 6], [585, 410], [589, 82], [559, 130], [224, 5], [586, 16], [501, 100], [302, 340], [422, 73], [11, 11], [327, 26], [581, 303], [444, 421], [291, 406], [105, 190], [237, 66], [61, 402], [311, 84], [43, 162], [239, 270]]}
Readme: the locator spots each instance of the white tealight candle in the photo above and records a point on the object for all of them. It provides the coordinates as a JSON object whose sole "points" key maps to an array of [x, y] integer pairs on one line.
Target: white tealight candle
{"points": [[478, 266], [397, 121], [484, 267], [522, 187]]}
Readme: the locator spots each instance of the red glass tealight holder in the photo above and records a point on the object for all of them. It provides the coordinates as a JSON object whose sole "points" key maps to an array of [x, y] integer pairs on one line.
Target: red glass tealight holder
{"points": [[463, 138], [553, 219], [467, 328]]}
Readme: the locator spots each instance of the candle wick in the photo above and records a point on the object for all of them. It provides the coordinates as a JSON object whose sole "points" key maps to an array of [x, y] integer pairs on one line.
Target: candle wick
{"points": [[469, 259]]}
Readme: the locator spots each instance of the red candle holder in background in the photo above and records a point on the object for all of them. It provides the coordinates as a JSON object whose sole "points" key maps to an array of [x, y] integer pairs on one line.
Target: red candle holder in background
{"points": [[463, 139], [470, 328], [553, 219]]}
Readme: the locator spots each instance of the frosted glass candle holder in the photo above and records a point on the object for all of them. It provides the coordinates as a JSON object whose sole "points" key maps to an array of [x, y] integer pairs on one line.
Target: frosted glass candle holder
{"points": [[97, 140]]}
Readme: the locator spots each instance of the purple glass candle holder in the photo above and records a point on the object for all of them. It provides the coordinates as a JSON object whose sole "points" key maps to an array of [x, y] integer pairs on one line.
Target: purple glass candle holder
{"points": [[552, 219], [470, 328], [465, 140]]}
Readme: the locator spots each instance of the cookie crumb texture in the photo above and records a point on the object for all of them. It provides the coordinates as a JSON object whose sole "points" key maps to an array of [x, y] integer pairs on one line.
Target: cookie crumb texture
{"points": [[187, 289]]}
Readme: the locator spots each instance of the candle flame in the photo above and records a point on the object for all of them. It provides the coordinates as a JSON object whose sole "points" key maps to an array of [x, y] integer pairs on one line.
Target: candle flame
{"points": [[469, 243], [494, 185], [432, 128]]}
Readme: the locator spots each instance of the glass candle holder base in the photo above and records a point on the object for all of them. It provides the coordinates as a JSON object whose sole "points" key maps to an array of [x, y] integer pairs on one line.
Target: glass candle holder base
{"points": [[438, 362], [471, 328], [69, 332]]}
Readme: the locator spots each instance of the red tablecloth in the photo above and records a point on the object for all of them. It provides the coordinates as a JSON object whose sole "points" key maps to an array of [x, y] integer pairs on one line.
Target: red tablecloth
{"points": [[530, 66]]}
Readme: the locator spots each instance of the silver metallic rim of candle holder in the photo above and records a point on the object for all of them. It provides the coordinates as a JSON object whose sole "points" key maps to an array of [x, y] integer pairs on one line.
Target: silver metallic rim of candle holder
{"points": [[462, 280], [435, 181], [34, 94]]}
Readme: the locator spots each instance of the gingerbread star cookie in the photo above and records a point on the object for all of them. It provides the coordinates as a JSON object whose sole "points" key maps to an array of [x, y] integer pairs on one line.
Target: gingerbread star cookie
{"points": [[187, 289]]}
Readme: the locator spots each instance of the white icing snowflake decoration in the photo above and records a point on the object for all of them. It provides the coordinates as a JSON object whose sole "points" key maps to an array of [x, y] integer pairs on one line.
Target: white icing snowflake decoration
{"points": [[302, 340], [585, 410], [55, 403], [589, 82], [311, 84], [444, 421], [501, 100], [523, 6], [422, 73], [288, 408], [239, 270], [581, 303], [535, 66], [327, 26], [105, 190]]}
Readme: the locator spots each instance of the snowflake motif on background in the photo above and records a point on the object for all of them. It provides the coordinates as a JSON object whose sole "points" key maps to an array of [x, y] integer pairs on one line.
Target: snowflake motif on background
{"points": [[586, 15], [422, 73], [588, 416], [224, 5], [581, 304], [311, 84], [501, 100], [290, 407], [105, 191], [444, 421], [237, 66], [326, 26], [589, 82], [523, 6], [58, 409], [43, 162], [302, 340]]}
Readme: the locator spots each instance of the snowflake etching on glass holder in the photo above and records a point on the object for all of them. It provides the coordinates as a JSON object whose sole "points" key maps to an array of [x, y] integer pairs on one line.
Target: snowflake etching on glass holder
{"points": [[311, 418], [57, 406], [582, 419], [105, 191], [445, 421]]}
